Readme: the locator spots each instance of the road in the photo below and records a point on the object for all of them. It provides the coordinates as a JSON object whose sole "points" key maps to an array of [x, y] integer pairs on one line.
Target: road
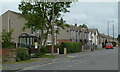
{"points": [[104, 59]]}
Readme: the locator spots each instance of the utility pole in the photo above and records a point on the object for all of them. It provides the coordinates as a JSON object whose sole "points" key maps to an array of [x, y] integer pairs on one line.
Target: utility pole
{"points": [[108, 30], [108, 27], [113, 32], [52, 22]]}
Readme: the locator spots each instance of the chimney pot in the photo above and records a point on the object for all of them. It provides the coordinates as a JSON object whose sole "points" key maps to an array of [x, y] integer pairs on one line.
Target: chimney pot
{"points": [[76, 25]]}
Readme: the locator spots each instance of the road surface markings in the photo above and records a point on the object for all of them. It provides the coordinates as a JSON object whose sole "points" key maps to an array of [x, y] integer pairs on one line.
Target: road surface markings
{"points": [[71, 56]]}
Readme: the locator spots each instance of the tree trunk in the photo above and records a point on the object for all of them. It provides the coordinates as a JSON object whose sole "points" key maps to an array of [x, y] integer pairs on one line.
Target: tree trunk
{"points": [[41, 39], [46, 35]]}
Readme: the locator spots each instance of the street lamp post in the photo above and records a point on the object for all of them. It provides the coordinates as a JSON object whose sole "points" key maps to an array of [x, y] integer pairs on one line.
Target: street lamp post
{"points": [[108, 27], [113, 32]]}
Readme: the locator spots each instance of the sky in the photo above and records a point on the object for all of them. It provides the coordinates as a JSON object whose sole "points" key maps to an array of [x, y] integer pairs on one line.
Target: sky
{"points": [[94, 13]]}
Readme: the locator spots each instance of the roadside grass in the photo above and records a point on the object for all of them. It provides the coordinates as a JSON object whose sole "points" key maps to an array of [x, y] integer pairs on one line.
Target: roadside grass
{"points": [[32, 60], [28, 61], [1, 67], [20, 62]]}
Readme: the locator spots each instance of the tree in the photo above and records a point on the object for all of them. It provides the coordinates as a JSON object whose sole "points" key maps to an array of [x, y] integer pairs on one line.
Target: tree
{"points": [[6, 38], [106, 41], [118, 38], [83, 26], [39, 16]]}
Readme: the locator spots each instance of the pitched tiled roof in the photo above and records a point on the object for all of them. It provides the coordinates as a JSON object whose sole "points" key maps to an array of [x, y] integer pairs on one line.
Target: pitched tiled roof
{"points": [[103, 35], [12, 12], [93, 30]]}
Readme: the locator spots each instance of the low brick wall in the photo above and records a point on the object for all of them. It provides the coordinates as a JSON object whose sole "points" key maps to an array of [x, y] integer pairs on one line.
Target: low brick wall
{"points": [[8, 55], [4, 52], [63, 40]]}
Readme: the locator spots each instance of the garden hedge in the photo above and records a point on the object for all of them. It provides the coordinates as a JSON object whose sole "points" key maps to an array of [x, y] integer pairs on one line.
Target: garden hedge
{"points": [[72, 47]]}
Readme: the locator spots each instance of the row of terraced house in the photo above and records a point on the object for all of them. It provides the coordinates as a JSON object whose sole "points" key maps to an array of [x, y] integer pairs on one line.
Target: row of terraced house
{"points": [[13, 20]]}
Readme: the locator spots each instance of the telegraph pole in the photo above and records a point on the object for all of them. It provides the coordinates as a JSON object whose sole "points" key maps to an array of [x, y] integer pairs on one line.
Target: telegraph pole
{"points": [[113, 32], [108, 27], [52, 37]]}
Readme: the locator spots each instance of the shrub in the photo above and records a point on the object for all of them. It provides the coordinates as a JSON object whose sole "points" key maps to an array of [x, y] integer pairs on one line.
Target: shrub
{"points": [[41, 52], [77, 47], [114, 43], [10, 45], [22, 54], [72, 47], [7, 38]]}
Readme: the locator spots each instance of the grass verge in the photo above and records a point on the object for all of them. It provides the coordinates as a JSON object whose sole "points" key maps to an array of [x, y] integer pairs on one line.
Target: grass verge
{"points": [[26, 61], [1, 67]]}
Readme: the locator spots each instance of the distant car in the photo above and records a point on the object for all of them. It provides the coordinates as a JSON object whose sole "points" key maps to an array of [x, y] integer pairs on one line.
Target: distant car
{"points": [[109, 46]]}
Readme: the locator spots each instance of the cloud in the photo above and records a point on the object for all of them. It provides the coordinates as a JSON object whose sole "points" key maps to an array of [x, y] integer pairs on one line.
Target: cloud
{"points": [[98, 0], [8, 6], [10, 0], [94, 14]]}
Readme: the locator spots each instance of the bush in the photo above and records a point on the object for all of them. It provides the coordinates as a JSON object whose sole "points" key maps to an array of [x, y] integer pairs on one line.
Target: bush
{"points": [[72, 47], [7, 38], [114, 43], [10, 45], [41, 52], [22, 54]]}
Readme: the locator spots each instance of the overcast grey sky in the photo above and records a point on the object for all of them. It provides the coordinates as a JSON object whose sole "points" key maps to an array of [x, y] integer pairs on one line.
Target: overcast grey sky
{"points": [[94, 14]]}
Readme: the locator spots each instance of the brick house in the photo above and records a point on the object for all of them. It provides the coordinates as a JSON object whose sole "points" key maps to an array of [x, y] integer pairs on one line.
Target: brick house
{"points": [[13, 20], [73, 34]]}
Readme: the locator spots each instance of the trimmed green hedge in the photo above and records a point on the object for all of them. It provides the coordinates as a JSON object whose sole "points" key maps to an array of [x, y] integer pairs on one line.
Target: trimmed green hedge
{"points": [[22, 54], [72, 47], [40, 52], [114, 43]]}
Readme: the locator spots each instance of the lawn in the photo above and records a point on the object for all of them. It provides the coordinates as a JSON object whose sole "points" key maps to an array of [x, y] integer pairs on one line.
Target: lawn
{"points": [[26, 61]]}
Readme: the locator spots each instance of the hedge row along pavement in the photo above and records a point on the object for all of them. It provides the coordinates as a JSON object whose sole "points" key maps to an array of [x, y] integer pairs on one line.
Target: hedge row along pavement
{"points": [[72, 47]]}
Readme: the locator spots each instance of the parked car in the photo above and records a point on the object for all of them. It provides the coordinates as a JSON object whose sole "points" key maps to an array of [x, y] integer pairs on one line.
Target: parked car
{"points": [[109, 46]]}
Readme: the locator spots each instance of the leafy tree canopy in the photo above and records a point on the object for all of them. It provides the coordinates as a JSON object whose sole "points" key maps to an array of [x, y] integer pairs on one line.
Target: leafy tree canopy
{"points": [[39, 16], [7, 38], [118, 38], [83, 26]]}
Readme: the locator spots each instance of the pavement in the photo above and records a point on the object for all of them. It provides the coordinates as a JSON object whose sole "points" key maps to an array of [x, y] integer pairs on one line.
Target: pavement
{"points": [[45, 63], [41, 61]]}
